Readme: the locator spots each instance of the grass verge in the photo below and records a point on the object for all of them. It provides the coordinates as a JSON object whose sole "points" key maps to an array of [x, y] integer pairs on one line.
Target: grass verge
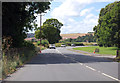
{"points": [[102, 50]]}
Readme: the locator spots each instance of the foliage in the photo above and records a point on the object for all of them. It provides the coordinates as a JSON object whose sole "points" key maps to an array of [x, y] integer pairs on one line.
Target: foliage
{"points": [[107, 31], [50, 31], [78, 44], [89, 38], [117, 59], [29, 44], [44, 43], [58, 44], [53, 22], [39, 34], [6, 43], [19, 17], [69, 44], [15, 58]]}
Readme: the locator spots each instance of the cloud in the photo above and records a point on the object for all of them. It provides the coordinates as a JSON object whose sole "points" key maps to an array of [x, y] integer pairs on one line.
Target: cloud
{"points": [[83, 26], [88, 1], [69, 10], [105, 0], [85, 11]]}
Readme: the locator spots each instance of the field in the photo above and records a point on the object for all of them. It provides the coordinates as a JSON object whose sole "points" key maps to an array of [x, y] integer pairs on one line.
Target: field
{"points": [[102, 50], [73, 35]]}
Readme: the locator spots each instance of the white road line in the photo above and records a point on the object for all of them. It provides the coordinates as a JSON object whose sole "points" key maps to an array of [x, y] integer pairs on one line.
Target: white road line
{"points": [[80, 63], [90, 67], [110, 77]]}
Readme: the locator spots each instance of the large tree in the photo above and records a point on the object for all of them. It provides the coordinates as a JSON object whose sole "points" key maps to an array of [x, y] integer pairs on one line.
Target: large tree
{"points": [[19, 17], [107, 31], [50, 31]]}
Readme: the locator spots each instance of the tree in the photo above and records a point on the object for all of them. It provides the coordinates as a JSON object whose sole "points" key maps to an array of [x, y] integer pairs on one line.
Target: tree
{"points": [[39, 34], [107, 31], [19, 17], [50, 31], [53, 22]]}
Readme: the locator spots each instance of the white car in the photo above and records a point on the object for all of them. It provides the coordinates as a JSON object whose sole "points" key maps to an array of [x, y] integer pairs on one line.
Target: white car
{"points": [[73, 45], [52, 46], [63, 45]]}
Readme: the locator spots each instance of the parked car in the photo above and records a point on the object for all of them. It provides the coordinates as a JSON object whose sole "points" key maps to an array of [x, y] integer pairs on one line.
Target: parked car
{"points": [[72, 44], [52, 46], [63, 45]]}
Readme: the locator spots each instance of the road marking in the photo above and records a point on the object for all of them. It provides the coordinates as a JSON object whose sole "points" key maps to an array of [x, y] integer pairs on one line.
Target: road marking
{"points": [[80, 63], [110, 77], [90, 67]]}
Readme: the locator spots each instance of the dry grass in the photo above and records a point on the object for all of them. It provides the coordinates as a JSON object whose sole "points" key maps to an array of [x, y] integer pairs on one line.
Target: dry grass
{"points": [[73, 35], [15, 58]]}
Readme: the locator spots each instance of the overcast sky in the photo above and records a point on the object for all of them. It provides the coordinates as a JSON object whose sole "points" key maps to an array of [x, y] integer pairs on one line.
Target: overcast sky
{"points": [[77, 16]]}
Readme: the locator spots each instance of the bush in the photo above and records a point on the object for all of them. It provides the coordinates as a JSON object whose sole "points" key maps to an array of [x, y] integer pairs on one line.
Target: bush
{"points": [[97, 50], [15, 58], [28, 44], [78, 44], [68, 43], [88, 44], [44, 43], [58, 44]]}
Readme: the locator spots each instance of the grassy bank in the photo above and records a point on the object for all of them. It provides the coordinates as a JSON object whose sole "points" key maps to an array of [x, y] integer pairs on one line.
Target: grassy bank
{"points": [[102, 50], [0, 69], [15, 58]]}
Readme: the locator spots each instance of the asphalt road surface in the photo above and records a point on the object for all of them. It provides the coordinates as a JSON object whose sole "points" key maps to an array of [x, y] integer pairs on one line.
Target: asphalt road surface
{"points": [[61, 64]]}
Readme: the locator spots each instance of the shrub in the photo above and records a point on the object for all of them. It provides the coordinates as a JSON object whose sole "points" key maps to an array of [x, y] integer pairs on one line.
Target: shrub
{"points": [[28, 44], [97, 50], [44, 43], [58, 44], [88, 44], [78, 44], [14, 58], [68, 43]]}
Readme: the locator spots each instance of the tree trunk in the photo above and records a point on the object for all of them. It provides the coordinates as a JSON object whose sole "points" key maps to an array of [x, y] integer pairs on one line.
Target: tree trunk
{"points": [[118, 51]]}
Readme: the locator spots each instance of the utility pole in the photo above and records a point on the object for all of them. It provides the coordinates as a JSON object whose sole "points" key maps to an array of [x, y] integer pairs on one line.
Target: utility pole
{"points": [[40, 31]]}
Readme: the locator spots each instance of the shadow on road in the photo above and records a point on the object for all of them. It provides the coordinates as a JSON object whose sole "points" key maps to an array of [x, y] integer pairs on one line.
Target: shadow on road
{"points": [[56, 58]]}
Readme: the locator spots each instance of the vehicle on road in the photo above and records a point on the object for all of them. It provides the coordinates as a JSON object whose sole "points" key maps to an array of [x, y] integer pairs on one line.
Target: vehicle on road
{"points": [[52, 46], [63, 45], [73, 45]]}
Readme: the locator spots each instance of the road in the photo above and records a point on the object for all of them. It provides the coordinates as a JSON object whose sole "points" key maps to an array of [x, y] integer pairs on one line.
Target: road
{"points": [[61, 64]]}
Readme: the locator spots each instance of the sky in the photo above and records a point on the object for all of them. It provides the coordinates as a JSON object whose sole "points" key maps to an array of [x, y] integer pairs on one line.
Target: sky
{"points": [[77, 16]]}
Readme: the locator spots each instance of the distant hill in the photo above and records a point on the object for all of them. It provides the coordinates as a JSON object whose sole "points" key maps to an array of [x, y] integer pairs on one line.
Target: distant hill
{"points": [[64, 36], [74, 35]]}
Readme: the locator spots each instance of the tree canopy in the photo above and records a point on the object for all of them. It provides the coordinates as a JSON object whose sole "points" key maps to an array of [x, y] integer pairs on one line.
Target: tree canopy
{"points": [[107, 31], [19, 17], [50, 31]]}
